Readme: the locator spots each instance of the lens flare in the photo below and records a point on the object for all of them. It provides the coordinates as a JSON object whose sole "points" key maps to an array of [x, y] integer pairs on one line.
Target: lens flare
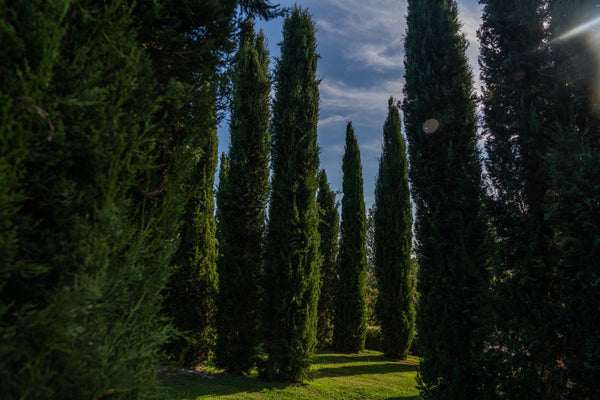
{"points": [[431, 125], [588, 35], [579, 29]]}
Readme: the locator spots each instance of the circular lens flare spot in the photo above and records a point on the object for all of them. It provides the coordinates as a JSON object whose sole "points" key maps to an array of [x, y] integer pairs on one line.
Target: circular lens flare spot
{"points": [[431, 125]]}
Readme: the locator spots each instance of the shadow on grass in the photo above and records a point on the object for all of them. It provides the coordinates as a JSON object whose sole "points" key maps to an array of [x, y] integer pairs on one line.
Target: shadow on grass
{"points": [[193, 387], [361, 364], [339, 358], [326, 365], [371, 369], [186, 386]]}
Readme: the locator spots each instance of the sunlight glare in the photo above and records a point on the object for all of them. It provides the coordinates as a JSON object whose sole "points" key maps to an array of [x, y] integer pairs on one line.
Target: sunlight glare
{"points": [[590, 31], [579, 29]]}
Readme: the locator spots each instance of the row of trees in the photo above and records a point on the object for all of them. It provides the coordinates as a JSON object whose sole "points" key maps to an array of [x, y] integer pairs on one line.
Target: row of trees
{"points": [[111, 257], [508, 271], [284, 286]]}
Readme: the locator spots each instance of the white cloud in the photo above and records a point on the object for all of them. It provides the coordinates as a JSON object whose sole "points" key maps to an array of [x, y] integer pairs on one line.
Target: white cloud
{"points": [[378, 56], [334, 149], [332, 120], [371, 31], [374, 146], [338, 95]]}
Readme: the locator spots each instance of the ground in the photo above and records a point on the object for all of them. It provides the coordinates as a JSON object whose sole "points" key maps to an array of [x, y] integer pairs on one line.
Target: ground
{"points": [[368, 375]]}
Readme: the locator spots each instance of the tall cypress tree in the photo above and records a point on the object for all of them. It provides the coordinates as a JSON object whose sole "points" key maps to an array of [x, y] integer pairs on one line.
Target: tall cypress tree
{"points": [[193, 288], [393, 242], [350, 324], [439, 112], [575, 178], [517, 123], [292, 261], [328, 230], [95, 176], [243, 194]]}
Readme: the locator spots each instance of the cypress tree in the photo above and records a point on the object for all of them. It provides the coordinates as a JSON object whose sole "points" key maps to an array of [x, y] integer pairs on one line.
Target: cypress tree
{"points": [[190, 43], [193, 288], [573, 210], [393, 242], [439, 115], [292, 261], [188, 152], [94, 179], [517, 123], [243, 194], [329, 231], [83, 258], [350, 324]]}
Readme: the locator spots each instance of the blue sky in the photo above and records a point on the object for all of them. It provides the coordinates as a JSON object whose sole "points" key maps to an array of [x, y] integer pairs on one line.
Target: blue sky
{"points": [[361, 47]]}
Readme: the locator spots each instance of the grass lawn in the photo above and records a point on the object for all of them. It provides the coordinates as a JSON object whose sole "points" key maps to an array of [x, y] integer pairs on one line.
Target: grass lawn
{"points": [[368, 375]]}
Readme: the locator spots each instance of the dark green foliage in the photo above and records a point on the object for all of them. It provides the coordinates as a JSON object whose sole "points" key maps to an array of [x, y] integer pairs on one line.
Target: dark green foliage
{"points": [[189, 43], [242, 198], [575, 170], [187, 151], [445, 177], [193, 288], [393, 242], [189, 157], [83, 260], [329, 231], [373, 338], [350, 321], [200, 35], [575, 176], [292, 260], [514, 62], [95, 175]]}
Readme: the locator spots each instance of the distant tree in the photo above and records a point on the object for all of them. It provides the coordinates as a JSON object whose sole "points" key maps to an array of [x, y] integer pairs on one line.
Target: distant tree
{"points": [[372, 289], [329, 231], [393, 242], [242, 198], [350, 322], [445, 174], [573, 211], [518, 125], [292, 260]]}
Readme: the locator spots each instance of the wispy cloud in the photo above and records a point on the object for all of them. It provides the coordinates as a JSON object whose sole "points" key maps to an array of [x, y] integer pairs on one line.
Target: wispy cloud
{"points": [[336, 149], [370, 30], [332, 120], [339, 95], [372, 146], [379, 56]]}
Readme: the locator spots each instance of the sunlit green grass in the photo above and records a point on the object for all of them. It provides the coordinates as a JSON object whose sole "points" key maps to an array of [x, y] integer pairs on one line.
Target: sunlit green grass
{"points": [[368, 375]]}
